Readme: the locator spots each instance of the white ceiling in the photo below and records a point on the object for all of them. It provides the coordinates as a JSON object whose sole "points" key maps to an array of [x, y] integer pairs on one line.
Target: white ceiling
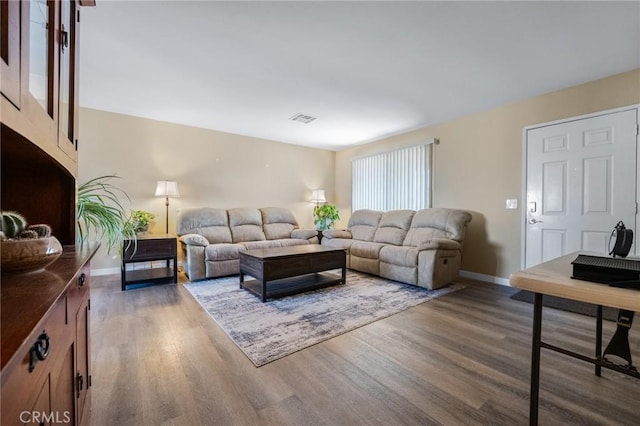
{"points": [[366, 70]]}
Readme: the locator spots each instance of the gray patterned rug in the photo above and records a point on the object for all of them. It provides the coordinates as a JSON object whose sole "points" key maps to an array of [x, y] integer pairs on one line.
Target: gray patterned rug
{"points": [[269, 331]]}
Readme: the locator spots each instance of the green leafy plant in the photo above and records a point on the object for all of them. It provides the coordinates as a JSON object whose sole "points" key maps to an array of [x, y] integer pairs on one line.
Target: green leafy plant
{"points": [[100, 211], [325, 216], [140, 219]]}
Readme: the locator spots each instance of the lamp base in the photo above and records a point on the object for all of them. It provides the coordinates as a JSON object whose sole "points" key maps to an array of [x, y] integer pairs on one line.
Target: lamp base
{"points": [[167, 215]]}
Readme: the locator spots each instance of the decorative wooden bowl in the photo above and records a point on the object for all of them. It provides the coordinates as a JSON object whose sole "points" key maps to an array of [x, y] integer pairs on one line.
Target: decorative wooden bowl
{"points": [[28, 255]]}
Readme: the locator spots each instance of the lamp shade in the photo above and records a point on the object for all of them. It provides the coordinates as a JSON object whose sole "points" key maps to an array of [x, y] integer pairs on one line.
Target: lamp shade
{"points": [[317, 196], [167, 188]]}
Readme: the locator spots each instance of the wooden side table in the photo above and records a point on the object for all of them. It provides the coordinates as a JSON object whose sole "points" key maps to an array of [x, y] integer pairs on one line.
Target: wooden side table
{"points": [[149, 248]]}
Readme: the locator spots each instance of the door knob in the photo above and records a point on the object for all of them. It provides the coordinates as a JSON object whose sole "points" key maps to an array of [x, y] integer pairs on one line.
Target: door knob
{"points": [[532, 221]]}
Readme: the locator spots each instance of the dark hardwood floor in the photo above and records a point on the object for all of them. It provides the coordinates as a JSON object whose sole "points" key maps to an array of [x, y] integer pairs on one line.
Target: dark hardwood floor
{"points": [[461, 359]]}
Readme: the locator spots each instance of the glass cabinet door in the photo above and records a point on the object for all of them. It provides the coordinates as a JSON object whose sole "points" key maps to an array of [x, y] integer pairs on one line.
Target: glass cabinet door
{"points": [[40, 69], [10, 16], [65, 63], [67, 84]]}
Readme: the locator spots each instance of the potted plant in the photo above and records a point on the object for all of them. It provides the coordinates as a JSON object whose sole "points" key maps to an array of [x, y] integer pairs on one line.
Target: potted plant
{"points": [[140, 219], [325, 216], [26, 248], [100, 210]]}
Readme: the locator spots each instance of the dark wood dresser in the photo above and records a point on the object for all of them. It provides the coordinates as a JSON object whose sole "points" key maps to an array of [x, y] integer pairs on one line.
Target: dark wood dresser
{"points": [[45, 350], [44, 315]]}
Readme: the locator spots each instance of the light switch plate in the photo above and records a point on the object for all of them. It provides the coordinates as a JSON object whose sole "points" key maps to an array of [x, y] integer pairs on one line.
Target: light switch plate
{"points": [[512, 203]]}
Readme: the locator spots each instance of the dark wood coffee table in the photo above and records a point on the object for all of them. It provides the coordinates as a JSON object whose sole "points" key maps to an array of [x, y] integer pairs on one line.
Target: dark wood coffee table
{"points": [[282, 271]]}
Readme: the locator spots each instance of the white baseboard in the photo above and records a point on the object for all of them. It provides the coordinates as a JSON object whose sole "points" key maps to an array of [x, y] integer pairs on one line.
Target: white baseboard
{"points": [[464, 274], [104, 271], [486, 278]]}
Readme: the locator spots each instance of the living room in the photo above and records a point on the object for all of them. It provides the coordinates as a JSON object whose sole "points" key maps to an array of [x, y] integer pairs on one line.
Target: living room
{"points": [[157, 356], [477, 164]]}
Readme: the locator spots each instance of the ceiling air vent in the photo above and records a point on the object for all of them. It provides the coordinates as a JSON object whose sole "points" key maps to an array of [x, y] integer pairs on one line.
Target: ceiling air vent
{"points": [[303, 118]]}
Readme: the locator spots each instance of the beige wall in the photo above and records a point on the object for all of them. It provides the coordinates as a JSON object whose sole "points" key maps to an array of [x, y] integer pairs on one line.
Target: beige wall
{"points": [[478, 164], [213, 169]]}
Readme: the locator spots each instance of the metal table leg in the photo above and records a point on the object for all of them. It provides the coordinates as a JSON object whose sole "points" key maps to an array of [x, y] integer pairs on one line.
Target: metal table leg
{"points": [[535, 358], [598, 338]]}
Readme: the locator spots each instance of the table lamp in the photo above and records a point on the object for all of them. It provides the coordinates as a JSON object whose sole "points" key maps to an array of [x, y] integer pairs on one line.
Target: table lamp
{"points": [[317, 196]]}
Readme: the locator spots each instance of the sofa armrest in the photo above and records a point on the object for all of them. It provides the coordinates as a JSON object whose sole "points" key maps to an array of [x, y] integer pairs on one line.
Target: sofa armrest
{"points": [[336, 233], [439, 243], [304, 234], [194, 240], [194, 260]]}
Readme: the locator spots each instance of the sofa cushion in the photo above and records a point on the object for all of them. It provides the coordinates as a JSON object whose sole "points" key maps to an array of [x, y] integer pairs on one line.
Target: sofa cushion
{"points": [[365, 249], [342, 243], [336, 233], [393, 227], [218, 252], [278, 222], [213, 224], [429, 224], [363, 224], [246, 225], [287, 242], [252, 245], [400, 255], [304, 234], [275, 231]]}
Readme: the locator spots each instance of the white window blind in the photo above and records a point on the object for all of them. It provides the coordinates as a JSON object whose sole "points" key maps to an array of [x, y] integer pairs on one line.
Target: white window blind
{"points": [[393, 180]]}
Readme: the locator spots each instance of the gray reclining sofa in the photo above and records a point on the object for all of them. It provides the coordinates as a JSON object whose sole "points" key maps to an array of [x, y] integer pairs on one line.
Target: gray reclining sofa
{"points": [[421, 247], [212, 238]]}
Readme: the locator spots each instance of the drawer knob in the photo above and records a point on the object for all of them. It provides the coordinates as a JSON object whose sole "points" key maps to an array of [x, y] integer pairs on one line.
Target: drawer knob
{"points": [[39, 351], [82, 279]]}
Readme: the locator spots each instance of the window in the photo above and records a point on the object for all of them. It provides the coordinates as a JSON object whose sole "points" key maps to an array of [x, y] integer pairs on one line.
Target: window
{"points": [[394, 180]]}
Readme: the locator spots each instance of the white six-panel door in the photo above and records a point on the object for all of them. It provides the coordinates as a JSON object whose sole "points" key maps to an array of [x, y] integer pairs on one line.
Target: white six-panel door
{"points": [[580, 181]]}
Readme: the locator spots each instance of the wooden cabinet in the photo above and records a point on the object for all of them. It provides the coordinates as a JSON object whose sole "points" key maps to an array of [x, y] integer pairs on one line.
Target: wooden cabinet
{"points": [[45, 370], [82, 375], [40, 74], [39, 44], [42, 405], [46, 375]]}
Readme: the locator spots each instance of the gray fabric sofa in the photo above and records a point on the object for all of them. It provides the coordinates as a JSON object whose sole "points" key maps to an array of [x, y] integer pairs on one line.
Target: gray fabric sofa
{"points": [[212, 238], [422, 248]]}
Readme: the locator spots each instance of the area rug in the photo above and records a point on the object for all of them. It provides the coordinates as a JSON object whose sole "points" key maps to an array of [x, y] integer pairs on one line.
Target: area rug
{"points": [[268, 331], [608, 313]]}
